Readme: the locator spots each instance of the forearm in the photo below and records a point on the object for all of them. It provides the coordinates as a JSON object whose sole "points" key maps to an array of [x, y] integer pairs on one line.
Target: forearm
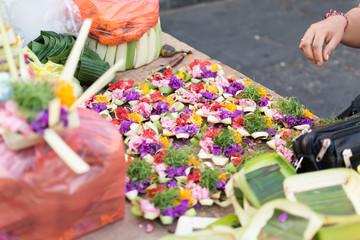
{"points": [[351, 36]]}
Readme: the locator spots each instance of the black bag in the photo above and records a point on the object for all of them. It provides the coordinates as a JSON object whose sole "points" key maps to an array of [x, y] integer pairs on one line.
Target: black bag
{"points": [[353, 109], [331, 146]]}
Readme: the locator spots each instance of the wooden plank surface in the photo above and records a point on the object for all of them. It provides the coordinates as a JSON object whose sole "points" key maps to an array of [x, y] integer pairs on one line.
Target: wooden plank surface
{"points": [[132, 227]]}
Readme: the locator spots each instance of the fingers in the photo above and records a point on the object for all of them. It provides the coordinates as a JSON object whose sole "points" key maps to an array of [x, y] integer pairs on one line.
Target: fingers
{"points": [[306, 45], [317, 48], [329, 48]]}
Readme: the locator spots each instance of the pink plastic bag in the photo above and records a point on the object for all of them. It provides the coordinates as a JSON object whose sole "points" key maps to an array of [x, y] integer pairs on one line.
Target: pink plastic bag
{"points": [[41, 198]]}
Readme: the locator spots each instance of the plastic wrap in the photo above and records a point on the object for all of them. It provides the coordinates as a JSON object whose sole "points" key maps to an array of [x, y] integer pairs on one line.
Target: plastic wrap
{"points": [[41, 198], [29, 17], [116, 22]]}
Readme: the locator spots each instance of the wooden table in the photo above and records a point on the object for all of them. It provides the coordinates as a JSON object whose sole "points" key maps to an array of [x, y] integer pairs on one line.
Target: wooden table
{"points": [[132, 227]]}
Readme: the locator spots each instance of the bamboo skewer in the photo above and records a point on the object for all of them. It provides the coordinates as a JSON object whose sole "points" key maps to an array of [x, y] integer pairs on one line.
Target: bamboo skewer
{"points": [[98, 84], [7, 49], [77, 164], [71, 64], [70, 68]]}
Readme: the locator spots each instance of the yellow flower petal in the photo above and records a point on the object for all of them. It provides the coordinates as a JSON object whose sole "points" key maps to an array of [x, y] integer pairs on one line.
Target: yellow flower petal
{"points": [[186, 194], [215, 68], [101, 98], [181, 75], [268, 121], [136, 117], [307, 113], [222, 177], [248, 82], [212, 89], [230, 106], [168, 99], [66, 93], [196, 119], [262, 91], [144, 88], [238, 137], [164, 140]]}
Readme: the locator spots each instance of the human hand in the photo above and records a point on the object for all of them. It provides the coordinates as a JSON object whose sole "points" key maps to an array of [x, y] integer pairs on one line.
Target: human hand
{"points": [[330, 32]]}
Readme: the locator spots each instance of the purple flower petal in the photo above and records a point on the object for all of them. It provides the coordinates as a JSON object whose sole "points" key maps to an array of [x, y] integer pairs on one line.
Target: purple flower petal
{"points": [[283, 217]]}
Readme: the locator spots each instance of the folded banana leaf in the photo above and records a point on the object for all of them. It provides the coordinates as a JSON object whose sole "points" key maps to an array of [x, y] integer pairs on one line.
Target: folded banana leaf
{"points": [[261, 178], [215, 233], [282, 219], [333, 193], [348, 231]]}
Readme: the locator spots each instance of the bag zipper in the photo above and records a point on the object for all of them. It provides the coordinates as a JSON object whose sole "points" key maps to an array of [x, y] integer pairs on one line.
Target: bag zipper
{"points": [[325, 146]]}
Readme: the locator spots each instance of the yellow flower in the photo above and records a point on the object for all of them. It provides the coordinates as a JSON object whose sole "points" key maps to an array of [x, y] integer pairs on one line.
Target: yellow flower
{"points": [[268, 121], [196, 119], [66, 93], [238, 137], [212, 89], [230, 106], [215, 68], [168, 99], [307, 113], [181, 75], [101, 98], [186, 194], [193, 161], [164, 140], [136, 117], [222, 177], [144, 88], [248, 82], [262, 92]]}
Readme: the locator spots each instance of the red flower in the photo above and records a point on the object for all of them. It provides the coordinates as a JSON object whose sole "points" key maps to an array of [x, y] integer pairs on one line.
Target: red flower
{"points": [[122, 113], [167, 73], [211, 133], [156, 97], [144, 99], [182, 121], [237, 161], [215, 106], [236, 154], [159, 157], [231, 80], [148, 133], [195, 175], [196, 88], [153, 191], [197, 62], [287, 134], [116, 121], [238, 122], [121, 84], [206, 105]]}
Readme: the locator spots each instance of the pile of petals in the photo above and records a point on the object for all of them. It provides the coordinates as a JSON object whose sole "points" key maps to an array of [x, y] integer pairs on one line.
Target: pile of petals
{"points": [[188, 130], [24, 103]]}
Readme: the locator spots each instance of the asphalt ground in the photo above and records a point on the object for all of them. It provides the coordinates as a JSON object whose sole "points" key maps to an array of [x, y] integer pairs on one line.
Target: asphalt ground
{"points": [[261, 40]]}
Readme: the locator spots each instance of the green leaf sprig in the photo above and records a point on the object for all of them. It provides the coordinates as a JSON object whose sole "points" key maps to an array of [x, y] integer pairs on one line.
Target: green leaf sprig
{"points": [[226, 137], [32, 97], [209, 178], [178, 157], [165, 199], [290, 106], [139, 170], [251, 92], [255, 122]]}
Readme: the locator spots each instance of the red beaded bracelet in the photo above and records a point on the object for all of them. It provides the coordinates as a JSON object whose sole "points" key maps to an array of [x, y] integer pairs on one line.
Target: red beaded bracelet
{"points": [[334, 13]]}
